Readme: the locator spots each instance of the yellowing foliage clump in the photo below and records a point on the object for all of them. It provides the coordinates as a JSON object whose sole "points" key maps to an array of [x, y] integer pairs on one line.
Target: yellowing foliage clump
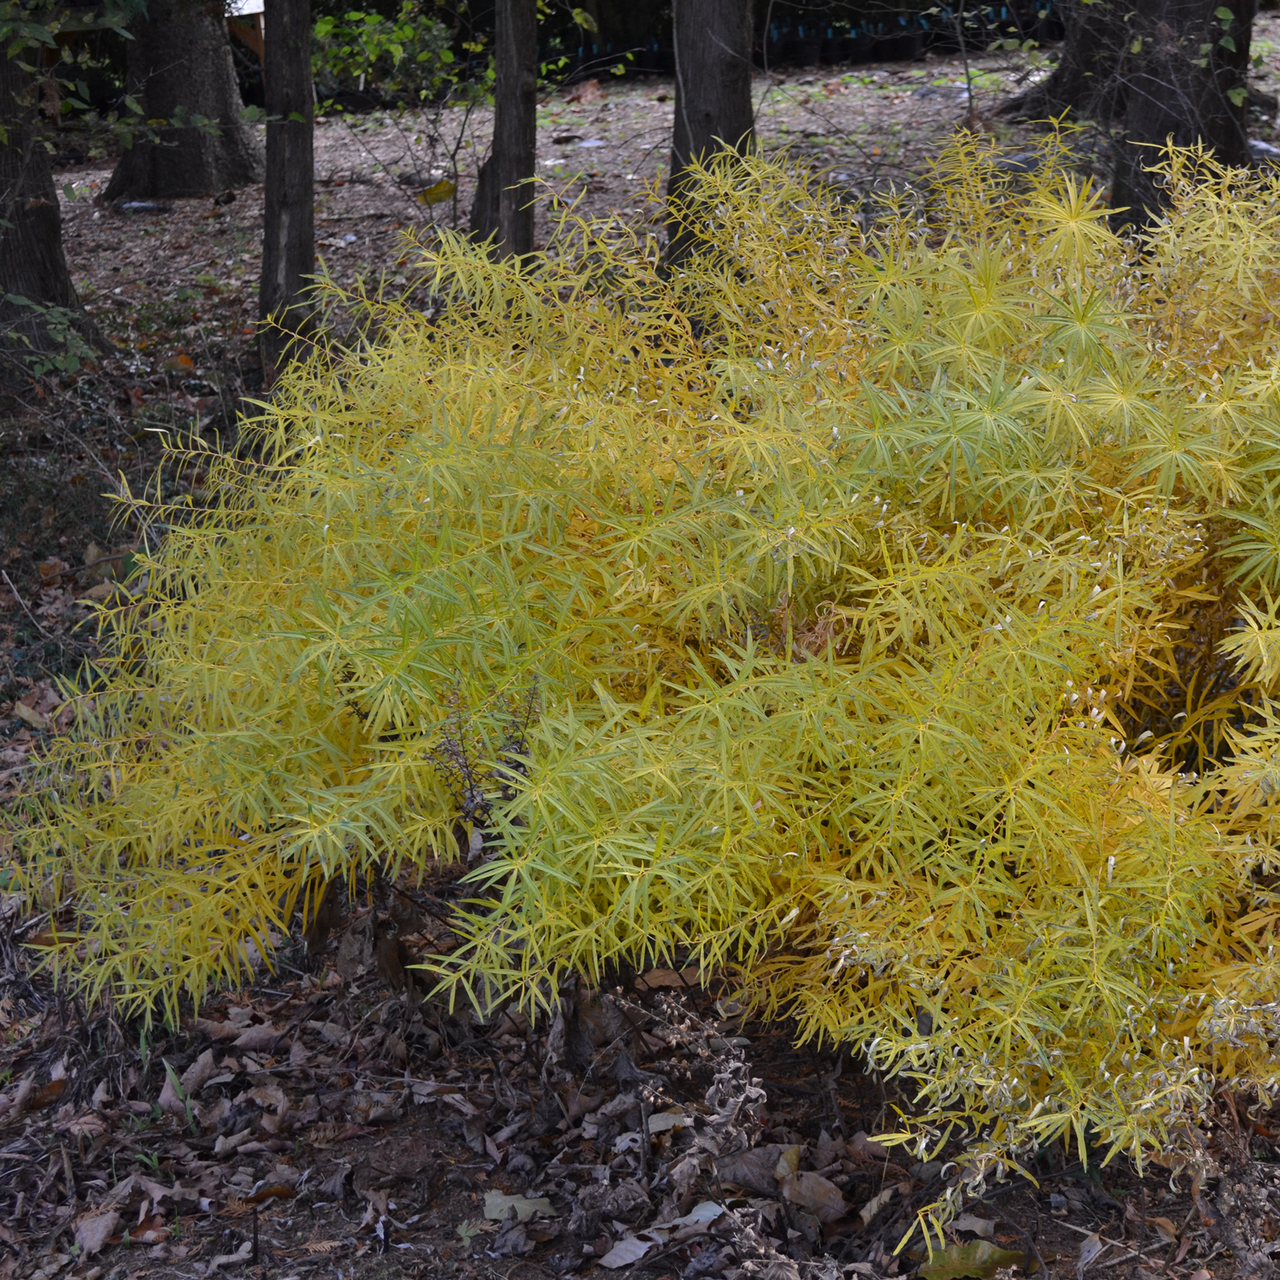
{"points": [[882, 615]]}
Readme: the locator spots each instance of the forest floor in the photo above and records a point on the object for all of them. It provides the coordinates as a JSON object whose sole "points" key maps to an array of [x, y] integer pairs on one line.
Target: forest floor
{"points": [[329, 1119]]}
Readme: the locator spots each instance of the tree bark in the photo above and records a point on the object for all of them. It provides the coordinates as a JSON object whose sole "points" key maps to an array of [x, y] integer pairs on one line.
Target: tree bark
{"points": [[712, 41], [503, 207], [180, 65], [1084, 84], [288, 234], [1179, 90], [38, 302], [1151, 71]]}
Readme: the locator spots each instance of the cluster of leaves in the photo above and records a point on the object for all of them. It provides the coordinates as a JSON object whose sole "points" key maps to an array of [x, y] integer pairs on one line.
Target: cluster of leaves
{"points": [[66, 348], [897, 605], [407, 57], [41, 38]]}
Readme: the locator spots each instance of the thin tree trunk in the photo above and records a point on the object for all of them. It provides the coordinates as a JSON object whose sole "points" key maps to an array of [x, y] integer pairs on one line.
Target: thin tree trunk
{"points": [[1179, 81], [288, 236], [39, 308], [503, 207], [180, 65], [712, 40]]}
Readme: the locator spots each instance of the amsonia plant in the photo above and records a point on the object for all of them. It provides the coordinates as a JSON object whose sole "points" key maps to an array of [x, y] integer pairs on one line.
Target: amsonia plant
{"points": [[884, 616]]}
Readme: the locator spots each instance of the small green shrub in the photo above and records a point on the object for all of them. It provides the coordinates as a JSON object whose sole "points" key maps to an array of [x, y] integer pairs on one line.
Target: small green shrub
{"points": [[407, 57], [882, 615]]}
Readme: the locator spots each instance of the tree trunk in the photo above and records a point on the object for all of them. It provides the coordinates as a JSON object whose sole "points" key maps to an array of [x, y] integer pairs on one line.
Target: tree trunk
{"points": [[712, 41], [503, 207], [1179, 85], [39, 309], [1150, 73], [1084, 84], [180, 66], [288, 232]]}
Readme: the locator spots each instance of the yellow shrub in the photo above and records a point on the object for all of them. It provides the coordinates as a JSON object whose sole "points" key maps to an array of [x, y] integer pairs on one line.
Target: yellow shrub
{"points": [[882, 614]]}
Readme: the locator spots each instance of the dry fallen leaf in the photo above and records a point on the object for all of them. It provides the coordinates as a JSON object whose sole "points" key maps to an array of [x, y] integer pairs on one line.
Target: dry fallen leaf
{"points": [[260, 1037], [875, 1204], [628, 1250], [690, 976], [30, 716], [199, 1073], [93, 1233], [820, 1196], [864, 1148], [586, 94], [497, 1204], [979, 1226], [753, 1169], [215, 1030], [1090, 1248], [977, 1260]]}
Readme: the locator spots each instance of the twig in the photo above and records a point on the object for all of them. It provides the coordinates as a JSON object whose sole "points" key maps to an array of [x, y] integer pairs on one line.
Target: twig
{"points": [[1031, 1241], [649, 1260], [22, 604], [1141, 1238], [1124, 1257], [1035, 1247], [1084, 1231]]}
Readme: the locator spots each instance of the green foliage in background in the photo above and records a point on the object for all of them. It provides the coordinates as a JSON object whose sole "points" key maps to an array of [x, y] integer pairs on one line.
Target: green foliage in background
{"points": [[884, 616], [406, 57]]}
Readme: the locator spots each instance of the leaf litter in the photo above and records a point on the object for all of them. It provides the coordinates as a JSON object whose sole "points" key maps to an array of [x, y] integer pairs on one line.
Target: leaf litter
{"points": [[331, 1115]]}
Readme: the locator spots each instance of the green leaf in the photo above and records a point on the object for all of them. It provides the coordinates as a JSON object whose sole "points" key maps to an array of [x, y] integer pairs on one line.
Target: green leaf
{"points": [[1238, 95], [977, 1260], [585, 20], [1228, 42], [176, 1085], [1224, 13]]}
